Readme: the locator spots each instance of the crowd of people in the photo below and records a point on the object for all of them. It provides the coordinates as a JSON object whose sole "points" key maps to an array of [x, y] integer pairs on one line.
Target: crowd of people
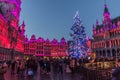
{"points": [[59, 65], [22, 67], [29, 67]]}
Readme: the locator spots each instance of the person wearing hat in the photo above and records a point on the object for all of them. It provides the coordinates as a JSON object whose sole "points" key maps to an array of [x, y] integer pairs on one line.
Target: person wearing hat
{"points": [[116, 71], [3, 69]]}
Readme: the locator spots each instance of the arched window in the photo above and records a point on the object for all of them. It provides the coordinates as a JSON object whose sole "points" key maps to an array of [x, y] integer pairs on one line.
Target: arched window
{"points": [[104, 54], [108, 53], [113, 53]]}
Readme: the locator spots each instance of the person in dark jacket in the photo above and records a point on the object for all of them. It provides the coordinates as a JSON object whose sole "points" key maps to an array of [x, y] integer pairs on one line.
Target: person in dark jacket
{"points": [[3, 69], [60, 66], [48, 66], [116, 72], [13, 64]]}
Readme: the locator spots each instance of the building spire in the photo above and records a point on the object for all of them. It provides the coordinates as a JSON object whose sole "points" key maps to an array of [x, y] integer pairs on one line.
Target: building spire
{"points": [[93, 28], [23, 24], [104, 1], [105, 7], [23, 27], [106, 14], [97, 23]]}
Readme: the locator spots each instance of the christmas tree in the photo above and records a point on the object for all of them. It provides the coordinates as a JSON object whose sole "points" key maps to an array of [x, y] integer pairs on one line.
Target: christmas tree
{"points": [[78, 42]]}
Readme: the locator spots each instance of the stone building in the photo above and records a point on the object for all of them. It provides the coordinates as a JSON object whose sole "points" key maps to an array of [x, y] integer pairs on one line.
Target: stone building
{"points": [[45, 48], [11, 33], [106, 42]]}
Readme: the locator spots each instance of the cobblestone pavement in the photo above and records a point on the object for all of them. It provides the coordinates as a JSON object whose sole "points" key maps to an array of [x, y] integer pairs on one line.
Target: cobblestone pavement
{"points": [[39, 76]]}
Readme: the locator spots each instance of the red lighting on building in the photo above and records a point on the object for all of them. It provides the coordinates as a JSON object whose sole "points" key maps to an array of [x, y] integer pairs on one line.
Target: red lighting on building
{"points": [[11, 34], [106, 36], [45, 48]]}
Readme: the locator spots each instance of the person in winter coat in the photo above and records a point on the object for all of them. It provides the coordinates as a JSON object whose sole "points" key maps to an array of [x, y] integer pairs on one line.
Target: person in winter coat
{"points": [[116, 72], [3, 69], [72, 65]]}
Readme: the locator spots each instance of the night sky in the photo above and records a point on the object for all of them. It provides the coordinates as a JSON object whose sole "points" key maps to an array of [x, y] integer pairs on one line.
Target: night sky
{"points": [[54, 18]]}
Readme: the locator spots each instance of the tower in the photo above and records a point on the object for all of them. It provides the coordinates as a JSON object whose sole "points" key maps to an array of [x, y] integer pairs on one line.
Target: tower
{"points": [[23, 28], [106, 16], [10, 10]]}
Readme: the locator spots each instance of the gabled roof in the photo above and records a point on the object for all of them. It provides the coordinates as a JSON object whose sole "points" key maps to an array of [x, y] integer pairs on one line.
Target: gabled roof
{"points": [[40, 39], [114, 21], [26, 40], [47, 40], [33, 38], [63, 41], [54, 41]]}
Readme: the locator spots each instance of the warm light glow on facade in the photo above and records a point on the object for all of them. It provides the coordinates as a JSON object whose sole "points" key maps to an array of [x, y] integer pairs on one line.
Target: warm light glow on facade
{"points": [[41, 47]]}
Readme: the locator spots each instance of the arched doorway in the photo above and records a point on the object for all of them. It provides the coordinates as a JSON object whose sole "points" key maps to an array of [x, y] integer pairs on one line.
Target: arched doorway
{"points": [[104, 54], [108, 53], [118, 52], [98, 55], [113, 53], [101, 53]]}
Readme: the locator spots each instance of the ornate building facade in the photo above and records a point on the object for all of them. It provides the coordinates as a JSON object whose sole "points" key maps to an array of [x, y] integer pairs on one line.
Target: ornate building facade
{"points": [[106, 42], [11, 33], [46, 48]]}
